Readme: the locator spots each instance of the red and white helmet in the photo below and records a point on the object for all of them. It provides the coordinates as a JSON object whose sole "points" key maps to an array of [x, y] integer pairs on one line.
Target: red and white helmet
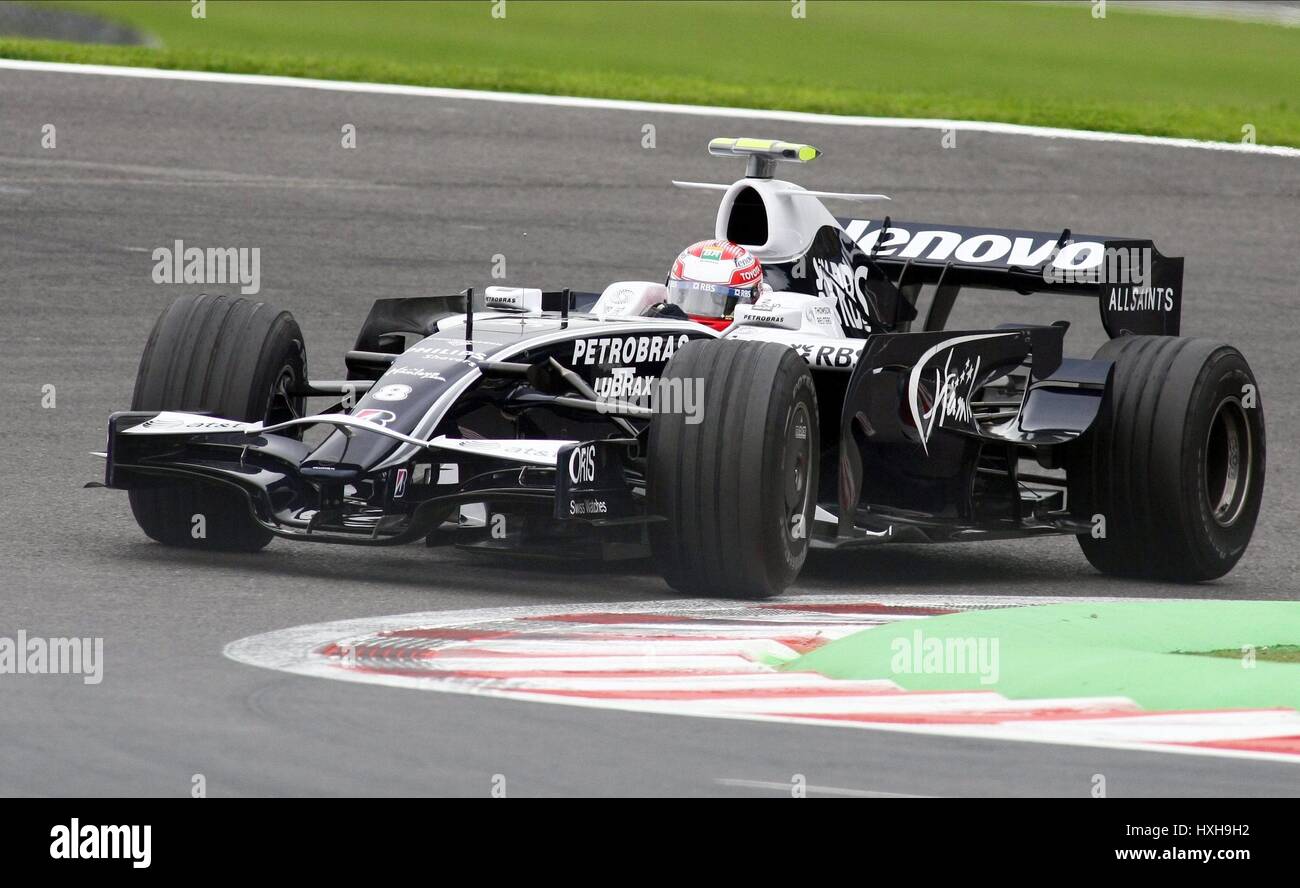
{"points": [[710, 277]]}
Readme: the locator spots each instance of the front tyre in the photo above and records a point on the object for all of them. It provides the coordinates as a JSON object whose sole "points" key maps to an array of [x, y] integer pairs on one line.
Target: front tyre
{"points": [[1173, 469], [237, 360], [736, 482]]}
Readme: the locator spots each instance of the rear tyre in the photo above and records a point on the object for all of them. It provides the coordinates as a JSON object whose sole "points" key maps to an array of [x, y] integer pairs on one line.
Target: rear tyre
{"points": [[1174, 464], [235, 359], [738, 487]]}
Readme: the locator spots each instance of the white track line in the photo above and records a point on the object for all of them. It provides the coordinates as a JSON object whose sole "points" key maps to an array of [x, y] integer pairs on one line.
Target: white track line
{"points": [[736, 683], [816, 790], [719, 633], [1267, 12], [965, 703], [639, 663], [804, 117], [638, 646], [1173, 727]]}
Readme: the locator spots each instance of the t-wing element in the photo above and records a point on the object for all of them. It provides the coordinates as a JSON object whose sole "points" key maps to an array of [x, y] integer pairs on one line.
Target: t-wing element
{"points": [[793, 192], [763, 154]]}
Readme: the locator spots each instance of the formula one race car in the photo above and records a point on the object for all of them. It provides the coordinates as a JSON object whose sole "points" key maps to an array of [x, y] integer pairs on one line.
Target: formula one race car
{"points": [[812, 415]]}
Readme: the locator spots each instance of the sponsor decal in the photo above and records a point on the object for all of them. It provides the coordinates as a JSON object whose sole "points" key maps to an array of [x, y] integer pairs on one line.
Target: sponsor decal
{"points": [[582, 464], [1141, 299], [417, 372], [399, 484], [720, 289], [159, 422], [820, 315], [767, 314], [526, 298], [192, 425], [829, 357], [747, 275], [538, 451], [975, 248], [619, 302], [326, 467], [185, 423], [393, 392], [789, 317], [627, 349], [377, 416], [592, 506], [446, 354], [469, 343], [954, 383], [845, 284], [953, 395], [589, 483], [834, 279], [623, 384]]}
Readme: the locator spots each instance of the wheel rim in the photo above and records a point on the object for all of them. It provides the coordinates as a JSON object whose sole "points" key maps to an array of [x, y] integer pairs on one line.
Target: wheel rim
{"points": [[1229, 462], [798, 459], [282, 406]]}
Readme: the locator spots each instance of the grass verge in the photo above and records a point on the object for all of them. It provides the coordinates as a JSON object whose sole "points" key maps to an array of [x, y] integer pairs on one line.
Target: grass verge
{"points": [[1102, 649], [1017, 63], [1278, 653]]}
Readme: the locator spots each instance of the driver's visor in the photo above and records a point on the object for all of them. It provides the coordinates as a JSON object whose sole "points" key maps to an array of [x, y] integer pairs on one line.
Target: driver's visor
{"points": [[707, 300]]}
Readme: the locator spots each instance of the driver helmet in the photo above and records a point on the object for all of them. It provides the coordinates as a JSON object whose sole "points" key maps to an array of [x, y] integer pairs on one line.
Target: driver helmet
{"points": [[710, 277]]}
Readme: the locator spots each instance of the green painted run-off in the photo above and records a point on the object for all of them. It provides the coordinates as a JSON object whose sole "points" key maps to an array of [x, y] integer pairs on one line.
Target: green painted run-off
{"points": [[1091, 650]]}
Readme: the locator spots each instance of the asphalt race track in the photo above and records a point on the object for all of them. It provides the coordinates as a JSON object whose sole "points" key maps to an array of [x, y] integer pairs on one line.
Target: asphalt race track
{"points": [[434, 189]]}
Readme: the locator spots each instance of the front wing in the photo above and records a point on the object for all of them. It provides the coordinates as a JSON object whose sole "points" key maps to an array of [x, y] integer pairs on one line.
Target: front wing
{"points": [[580, 481]]}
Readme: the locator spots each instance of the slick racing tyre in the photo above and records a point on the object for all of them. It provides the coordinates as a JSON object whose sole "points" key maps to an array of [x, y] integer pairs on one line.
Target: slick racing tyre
{"points": [[736, 483], [235, 359], [1173, 470]]}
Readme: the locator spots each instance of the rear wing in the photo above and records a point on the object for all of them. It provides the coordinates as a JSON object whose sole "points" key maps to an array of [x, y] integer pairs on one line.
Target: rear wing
{"points": [[1139, 290]]}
